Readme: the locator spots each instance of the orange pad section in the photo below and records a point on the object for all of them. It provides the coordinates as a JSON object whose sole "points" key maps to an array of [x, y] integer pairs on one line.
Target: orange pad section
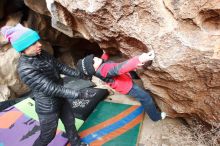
{"points": [[6, 120]]}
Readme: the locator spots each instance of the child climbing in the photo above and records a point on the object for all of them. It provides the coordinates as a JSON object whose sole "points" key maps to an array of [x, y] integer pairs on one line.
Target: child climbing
{"points": [[117, 76]]}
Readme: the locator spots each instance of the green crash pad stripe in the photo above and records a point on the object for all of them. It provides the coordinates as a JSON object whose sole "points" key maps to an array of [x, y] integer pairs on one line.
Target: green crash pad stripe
{"points": [[27, 106], [108, 110], [109, 131], [103, 129]]}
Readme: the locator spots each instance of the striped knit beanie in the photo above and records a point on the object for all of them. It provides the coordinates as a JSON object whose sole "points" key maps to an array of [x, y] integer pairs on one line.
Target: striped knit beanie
{"points": [[19, 36]]}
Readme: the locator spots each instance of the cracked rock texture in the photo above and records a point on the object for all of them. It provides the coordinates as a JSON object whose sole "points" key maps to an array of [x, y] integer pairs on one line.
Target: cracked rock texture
{"points": [[185, 35], [10, 85]]}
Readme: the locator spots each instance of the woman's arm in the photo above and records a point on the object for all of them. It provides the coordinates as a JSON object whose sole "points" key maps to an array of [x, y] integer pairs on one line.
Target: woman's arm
{"points": [[40, 82]]}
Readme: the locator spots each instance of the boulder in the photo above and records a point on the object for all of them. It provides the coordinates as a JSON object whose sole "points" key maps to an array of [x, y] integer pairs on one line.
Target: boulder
{"points": [[184, 76], [11, 85]]}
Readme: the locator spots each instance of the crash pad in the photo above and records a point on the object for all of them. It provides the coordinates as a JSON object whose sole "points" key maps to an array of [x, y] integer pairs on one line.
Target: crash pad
{"points": [[113, 124], [27, 106], [19, 126]]}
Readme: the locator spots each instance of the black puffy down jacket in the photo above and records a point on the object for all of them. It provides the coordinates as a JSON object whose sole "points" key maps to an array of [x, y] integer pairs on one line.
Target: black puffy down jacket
{"points": [[42, 74]]}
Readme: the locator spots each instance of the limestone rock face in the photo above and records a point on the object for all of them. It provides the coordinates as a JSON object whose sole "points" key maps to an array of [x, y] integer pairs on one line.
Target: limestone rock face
{"points": [[184, 34], [38, 6], [42, 25], [10, 84], [5, 93]]}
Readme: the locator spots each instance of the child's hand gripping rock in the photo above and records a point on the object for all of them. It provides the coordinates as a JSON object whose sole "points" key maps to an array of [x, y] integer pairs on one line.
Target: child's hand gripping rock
{"points": [[145, 57]]}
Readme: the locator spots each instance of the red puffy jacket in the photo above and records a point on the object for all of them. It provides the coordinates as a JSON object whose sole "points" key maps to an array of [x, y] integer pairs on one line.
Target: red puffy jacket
{"points": [[117, 75]]}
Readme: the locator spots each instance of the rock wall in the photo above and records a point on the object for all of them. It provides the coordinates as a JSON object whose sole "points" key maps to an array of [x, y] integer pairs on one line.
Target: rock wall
{"points": [[184, 34], [10, 85]]}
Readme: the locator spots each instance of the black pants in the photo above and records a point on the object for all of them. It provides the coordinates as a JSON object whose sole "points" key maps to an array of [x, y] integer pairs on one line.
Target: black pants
{"points": [[49, 123]]}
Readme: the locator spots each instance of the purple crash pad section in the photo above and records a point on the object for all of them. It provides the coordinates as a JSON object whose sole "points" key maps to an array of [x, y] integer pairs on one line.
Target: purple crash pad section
{"points": [[17, 129]]}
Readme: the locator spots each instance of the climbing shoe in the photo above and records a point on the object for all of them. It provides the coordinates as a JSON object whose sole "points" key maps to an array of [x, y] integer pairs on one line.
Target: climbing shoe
{"points": [[163, 115]]}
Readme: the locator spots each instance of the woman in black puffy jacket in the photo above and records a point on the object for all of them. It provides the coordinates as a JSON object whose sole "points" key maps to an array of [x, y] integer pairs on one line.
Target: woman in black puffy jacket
{"points": [[41, 72]]}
